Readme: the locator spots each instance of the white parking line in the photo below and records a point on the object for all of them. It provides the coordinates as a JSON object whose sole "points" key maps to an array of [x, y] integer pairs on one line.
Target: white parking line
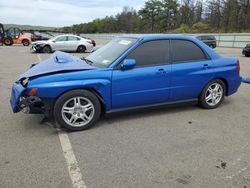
{"points": [[72, 164], [74, 170], [39, 58]]}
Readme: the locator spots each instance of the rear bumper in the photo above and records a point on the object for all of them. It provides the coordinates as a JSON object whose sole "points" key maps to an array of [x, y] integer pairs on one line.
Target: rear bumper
{"points": [[246, 80], [234, 86]]}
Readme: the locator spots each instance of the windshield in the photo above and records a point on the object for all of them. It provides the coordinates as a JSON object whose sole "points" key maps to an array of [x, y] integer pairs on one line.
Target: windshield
{"points": [[107, 54], [53, 38]]}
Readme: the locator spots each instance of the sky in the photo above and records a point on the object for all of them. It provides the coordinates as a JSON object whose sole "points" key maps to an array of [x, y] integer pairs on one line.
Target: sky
{"points": [[57, 13]]}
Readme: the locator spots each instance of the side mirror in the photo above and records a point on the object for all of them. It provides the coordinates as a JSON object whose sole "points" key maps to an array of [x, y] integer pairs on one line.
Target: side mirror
{"points": [[128, 64]]}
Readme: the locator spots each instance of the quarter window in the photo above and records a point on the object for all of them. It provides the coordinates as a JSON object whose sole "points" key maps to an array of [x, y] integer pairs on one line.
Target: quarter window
{"points": [[186, 51], [151, 53]]}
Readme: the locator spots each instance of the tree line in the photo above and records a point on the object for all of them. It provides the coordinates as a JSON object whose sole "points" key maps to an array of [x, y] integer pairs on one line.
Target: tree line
{"points": [[173, 16]]}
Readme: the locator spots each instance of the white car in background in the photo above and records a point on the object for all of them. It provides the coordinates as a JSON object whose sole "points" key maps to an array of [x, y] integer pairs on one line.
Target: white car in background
{"points": [[68, 43]]}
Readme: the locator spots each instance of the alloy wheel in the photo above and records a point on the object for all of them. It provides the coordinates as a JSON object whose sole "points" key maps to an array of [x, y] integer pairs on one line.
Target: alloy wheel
{"points": [[78, 111], [214, 94]]}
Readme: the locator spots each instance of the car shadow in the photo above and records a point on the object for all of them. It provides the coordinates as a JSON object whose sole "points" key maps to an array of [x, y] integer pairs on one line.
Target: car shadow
{"points": [[149, 112], [40, 122]]}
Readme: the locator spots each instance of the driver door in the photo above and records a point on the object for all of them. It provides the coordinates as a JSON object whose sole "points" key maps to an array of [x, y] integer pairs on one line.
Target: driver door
{"points": [[148, 82]]}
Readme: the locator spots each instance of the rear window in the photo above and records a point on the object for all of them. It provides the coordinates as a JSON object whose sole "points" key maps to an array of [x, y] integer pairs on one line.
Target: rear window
{"points": [[186, 51]]}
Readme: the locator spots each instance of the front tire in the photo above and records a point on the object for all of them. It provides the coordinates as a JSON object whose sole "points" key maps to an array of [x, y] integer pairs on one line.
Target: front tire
{"points": [[46, 49], [77, 110], [8, 41], [213, 94]]}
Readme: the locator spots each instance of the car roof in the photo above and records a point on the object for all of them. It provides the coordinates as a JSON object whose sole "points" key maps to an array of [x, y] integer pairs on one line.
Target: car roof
{"points": [[68, 35], [157, 36]]}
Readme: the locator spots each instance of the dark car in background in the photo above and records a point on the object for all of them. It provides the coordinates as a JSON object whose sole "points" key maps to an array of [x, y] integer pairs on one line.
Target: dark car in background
{"points": [[246, 50], [209, 40], [35, 36]]}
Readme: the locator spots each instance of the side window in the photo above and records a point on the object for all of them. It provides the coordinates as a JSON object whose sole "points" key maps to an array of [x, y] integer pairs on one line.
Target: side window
{"points": [[186, 51], [151, 53], [71, 38], [62, 38]]}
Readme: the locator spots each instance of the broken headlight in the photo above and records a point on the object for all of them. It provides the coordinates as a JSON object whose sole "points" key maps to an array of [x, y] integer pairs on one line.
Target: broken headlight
{"points": [[24, 82]]}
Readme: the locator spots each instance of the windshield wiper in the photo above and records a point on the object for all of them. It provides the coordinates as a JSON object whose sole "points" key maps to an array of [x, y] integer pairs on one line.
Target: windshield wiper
{"points": [[87, 60]]}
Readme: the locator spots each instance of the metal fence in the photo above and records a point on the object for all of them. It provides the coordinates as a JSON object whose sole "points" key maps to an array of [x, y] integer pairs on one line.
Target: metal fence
{"points": [[233, 40]]}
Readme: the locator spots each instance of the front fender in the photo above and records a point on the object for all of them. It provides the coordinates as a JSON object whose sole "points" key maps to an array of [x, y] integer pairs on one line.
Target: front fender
{"points": [[55, 89]]}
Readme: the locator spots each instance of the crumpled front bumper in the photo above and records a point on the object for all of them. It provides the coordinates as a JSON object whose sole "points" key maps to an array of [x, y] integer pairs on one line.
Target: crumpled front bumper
{"points": [[19, 102], [36, 48]]}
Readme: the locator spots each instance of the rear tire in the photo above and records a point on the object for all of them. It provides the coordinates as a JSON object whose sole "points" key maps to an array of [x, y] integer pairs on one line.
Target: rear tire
{"points": [[213, 94], [77, 110], [25, 42], [81, 49], [211, 46], [46, 49], [8, 41]]}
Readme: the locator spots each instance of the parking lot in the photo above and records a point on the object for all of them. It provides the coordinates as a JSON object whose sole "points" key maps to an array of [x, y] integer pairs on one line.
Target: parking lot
{"points": [[183, 146]]}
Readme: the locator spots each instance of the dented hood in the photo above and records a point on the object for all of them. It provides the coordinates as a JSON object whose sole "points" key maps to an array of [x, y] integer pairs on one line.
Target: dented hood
{"points": [[57, 62]]}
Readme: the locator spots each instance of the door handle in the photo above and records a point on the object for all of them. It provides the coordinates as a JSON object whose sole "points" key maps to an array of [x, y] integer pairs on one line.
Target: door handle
{"points": [[161, 71], [205, 66]]}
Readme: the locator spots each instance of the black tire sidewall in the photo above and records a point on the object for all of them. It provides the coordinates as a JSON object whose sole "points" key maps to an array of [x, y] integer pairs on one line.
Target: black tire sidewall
{"points": [[26, 40], [46, 49], [81, 49], [76, 93], [202, 98], [11, 41]]}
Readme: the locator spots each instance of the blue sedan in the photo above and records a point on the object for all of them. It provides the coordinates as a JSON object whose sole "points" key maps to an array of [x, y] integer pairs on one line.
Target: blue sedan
{"points": [[130, 72]]}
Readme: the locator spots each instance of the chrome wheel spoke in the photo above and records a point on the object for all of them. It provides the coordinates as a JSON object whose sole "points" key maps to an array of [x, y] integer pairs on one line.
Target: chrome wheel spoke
{"points": [[209, 97], [216, 88], [214, 94], [88, 107], [85, 117], [75, 114], [77, 101], [73, 119], [68, 110], [210, 90]]}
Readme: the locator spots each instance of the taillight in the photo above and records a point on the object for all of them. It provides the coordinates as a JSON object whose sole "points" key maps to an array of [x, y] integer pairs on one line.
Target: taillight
{"points": [[238, 65]]}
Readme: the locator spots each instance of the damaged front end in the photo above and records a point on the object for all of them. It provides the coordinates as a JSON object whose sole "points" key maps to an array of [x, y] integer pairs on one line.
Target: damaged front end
{"points": [[30, 104], [23, 99]]}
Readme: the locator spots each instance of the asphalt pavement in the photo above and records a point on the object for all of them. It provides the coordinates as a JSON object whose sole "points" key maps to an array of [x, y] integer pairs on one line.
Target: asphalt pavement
{"points": [[183, 146]]}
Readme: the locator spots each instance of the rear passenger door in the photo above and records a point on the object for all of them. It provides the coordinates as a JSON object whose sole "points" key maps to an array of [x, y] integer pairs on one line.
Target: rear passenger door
{"points": [[72, 43], [192, 69]]}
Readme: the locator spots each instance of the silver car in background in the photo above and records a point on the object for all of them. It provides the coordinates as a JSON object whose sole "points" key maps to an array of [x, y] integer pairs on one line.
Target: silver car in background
{"points": [[68, 43]]}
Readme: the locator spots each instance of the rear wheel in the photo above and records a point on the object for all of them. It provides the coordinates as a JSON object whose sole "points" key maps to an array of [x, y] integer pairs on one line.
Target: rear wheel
{"points": [[213, 94], [77, 110], [26, 42], [8, 41], [81, 49], [211, 46], [46, 49]]}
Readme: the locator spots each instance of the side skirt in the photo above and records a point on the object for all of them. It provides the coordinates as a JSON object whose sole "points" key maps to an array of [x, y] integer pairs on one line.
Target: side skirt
{"points": [[192, 101]]}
